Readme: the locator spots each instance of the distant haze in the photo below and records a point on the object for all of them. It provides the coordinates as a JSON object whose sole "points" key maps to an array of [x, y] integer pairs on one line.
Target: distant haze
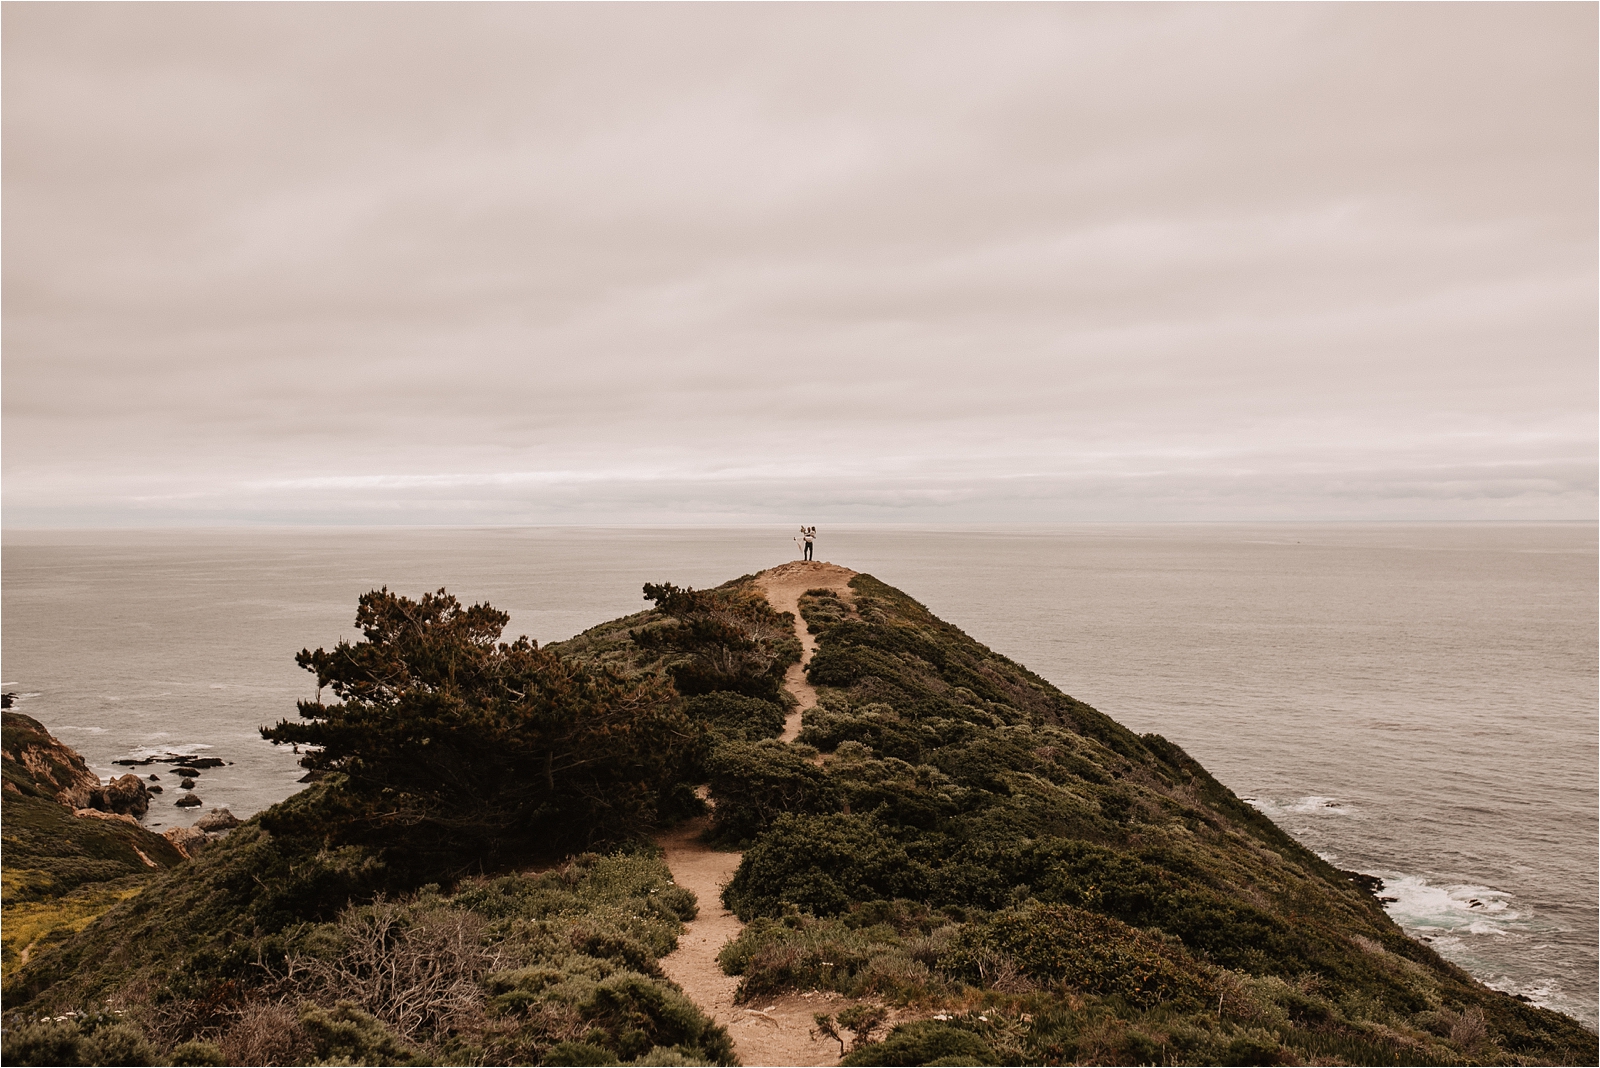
{"points": [[667, 263]]}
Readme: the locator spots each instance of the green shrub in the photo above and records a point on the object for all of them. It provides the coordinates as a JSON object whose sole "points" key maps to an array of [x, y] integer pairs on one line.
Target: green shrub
{"points": [[42, 1042], [197, 1054], [897, 793], [797, 953], [881, 948], [638, 1015], [663, 1057], [755, 783], [1253, 1047], [1082, 950], [925, 1042], [822, 865], [578, 1053], [821, 609], [877, 726], [727, 639], [346, 1033], [120, 1043], [735, 717]]}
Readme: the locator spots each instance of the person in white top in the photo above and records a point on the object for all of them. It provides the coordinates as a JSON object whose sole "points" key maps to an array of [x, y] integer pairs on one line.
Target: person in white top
{"points": [[810, 536]]}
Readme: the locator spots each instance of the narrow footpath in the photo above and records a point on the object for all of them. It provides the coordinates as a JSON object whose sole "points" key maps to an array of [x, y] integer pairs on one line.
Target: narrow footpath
{"points": [[776, 1031]]}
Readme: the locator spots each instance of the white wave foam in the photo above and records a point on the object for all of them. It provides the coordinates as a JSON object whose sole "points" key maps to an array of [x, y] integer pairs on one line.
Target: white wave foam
{"points": [[1310, 805], [186, 749], [1457, 910], [85, 730]]}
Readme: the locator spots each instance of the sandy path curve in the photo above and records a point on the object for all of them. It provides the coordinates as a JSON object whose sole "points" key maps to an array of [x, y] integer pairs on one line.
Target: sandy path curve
{"points": [[776, 1031], [773, 1032], [783, 586]]}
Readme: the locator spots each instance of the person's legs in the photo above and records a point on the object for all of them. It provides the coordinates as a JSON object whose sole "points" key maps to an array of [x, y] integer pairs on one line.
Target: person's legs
{"points": [[808, 550]]}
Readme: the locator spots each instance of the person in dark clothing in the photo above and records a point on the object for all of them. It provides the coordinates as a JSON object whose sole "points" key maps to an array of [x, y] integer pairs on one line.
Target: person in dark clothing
{"points": [[810, 536]]}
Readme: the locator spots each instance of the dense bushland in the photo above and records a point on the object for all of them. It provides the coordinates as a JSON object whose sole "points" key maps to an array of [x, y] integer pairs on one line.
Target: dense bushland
{"points": [[377, 916], [1048, 887], [512, 969], [1024, 878], [723, 640]]}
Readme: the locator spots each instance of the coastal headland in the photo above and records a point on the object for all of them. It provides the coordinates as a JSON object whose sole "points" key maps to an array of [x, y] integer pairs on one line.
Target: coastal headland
{"points": [[795, 819]]}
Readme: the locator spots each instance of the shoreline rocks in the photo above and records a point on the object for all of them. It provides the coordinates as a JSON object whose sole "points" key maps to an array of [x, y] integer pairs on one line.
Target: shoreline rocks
{"points": [[218, 820], [209, 828], [175, 759], [97, 814], [186, 840], [126, 794], [59, 770]]}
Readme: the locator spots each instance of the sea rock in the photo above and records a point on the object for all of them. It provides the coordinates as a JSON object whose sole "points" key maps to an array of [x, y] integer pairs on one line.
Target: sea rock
{"points": [[187, 801], [186, 784], [186, 772], [1370, 883], [126, 794], [96, 814], [154, 777], [154, 788], [219, 819], [190, 762], [187, 840]]}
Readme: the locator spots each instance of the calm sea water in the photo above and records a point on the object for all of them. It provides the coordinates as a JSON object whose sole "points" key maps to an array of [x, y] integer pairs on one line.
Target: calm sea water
{"points": [[1414, 701]]}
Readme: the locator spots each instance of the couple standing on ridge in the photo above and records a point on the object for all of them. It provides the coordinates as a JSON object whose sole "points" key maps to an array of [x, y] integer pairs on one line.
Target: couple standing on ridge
{"points": [[809, 536]]}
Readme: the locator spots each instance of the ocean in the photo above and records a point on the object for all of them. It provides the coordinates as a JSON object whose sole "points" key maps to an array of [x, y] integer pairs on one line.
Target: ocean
{"points": [[1414, 701]]}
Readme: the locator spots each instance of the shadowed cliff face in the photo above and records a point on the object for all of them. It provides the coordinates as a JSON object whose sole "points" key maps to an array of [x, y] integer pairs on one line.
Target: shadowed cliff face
{"points": [[53, 769], [48, 849], [56, 770]]}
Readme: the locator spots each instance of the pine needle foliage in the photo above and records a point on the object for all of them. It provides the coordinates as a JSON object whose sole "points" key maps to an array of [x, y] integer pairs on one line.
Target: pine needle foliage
{"points": [[455, 751]]}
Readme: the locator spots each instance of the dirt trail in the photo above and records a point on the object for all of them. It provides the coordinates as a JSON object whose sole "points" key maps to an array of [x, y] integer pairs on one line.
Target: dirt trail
{"points": [[774, 1031], [783, 586]]}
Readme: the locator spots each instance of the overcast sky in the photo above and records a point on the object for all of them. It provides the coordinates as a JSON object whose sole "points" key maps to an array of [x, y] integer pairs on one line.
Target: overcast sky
{"points": [[735, 263]]}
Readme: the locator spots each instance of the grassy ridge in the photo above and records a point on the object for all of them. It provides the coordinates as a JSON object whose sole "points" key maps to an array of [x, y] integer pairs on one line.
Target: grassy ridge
{"points": [[981, 845], [954, 836]]}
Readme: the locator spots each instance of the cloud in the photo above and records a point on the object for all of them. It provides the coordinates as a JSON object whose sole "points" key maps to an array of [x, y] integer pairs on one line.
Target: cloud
{"points": [[535, 263]]}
